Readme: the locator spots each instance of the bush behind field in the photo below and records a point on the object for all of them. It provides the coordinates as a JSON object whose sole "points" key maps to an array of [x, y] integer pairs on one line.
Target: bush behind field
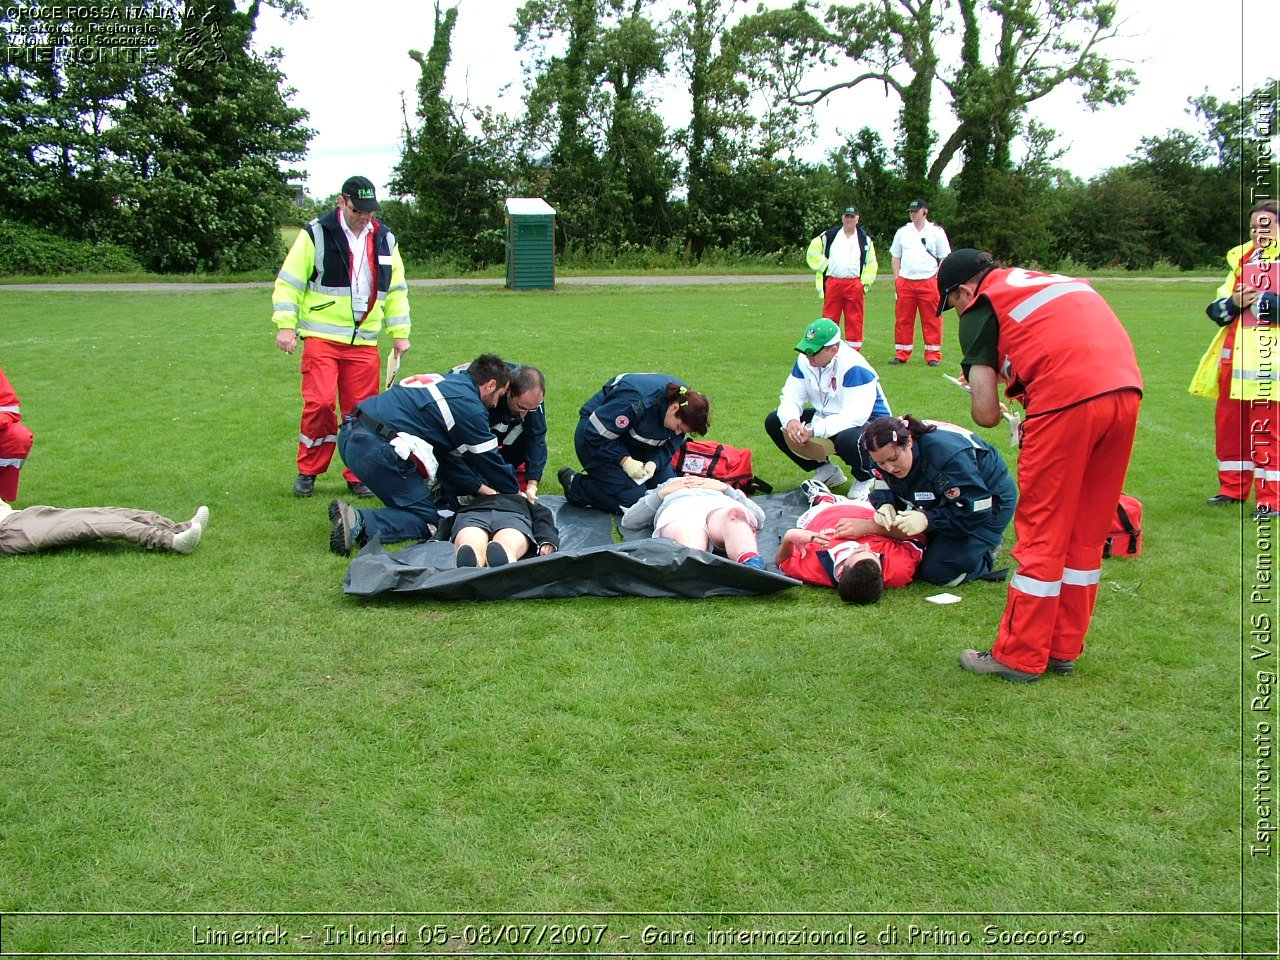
{"points": [[30, 250]]}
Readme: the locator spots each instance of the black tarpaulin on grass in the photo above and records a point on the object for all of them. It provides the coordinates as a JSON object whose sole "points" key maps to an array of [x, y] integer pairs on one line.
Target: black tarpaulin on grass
{"points": [[589, 563]]}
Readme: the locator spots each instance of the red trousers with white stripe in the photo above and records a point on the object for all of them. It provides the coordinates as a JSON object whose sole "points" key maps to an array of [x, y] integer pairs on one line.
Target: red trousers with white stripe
{"points": [[845, 295], [331, 369], [15, 444], [916, 296], [1247, 442], [1070, 474]]}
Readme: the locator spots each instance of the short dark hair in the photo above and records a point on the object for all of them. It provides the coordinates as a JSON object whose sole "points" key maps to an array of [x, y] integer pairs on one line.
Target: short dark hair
{"points": [[861, 582], [524, 379], [489, 366], [695, 408]]}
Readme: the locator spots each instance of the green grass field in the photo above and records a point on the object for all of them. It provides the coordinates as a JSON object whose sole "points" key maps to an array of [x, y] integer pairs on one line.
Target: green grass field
{"points": [[229, 732]]}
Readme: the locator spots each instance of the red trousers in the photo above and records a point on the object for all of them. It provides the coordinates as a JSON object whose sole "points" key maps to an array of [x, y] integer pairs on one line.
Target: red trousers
{"points": [[15, 444], [1247, 442], [1070, 475], [845, 295], [916, 296], [331, 369]]}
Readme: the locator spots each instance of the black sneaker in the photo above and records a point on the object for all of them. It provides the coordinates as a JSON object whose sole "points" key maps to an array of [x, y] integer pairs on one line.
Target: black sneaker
{"points": [[495, 554], [305, 485], [359, 489], [566, 476], [1222, 500], [896, 361], [465, 557], [933, 363], [1063, 668], [984, 662], [344, 523]]}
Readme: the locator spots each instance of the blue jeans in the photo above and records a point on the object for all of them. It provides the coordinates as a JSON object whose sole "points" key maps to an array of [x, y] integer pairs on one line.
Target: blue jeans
{"points": [[410, 512]]}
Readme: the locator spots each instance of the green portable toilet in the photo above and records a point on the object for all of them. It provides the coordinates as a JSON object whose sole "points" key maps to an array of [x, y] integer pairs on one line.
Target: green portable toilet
{"points": [[531, 235]]}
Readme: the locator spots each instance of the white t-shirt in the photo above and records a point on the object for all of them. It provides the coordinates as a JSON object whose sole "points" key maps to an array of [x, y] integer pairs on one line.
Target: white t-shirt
{"points": [[845, 259], [920, 251]]}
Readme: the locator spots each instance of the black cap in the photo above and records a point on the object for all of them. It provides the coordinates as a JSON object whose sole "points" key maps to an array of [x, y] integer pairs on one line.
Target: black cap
{"points": [[918, 204], [359, 190], [850, 212], [960, 266]]}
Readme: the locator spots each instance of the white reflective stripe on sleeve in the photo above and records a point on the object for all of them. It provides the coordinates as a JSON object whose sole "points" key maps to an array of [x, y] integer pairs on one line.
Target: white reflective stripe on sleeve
{"points": [[601, 428], [513, 433], [10, 409], [443, 406], [16, 464], [283, 306], [1235, 465], [1035, 588], [485, 447], [1081, 578], [1047, 295], [879, 484], [290, 280], [983, 504], [650, 442], [317, 441]]}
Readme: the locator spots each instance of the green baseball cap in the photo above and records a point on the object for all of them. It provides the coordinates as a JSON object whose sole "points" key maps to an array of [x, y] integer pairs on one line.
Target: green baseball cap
{"points": [[818, 336]]}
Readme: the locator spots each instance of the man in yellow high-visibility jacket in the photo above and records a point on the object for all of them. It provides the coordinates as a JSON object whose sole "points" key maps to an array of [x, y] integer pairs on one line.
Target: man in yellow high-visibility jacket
{"points": [[341, 283], [844, 263], [1239, 368]]}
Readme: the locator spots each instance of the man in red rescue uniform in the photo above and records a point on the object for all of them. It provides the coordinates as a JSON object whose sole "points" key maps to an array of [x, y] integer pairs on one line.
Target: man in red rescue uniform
{"points": [[15, 441], [342, 282], [1061, 351]]}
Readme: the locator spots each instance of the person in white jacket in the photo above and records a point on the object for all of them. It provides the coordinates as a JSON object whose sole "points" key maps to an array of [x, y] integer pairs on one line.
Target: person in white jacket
{"points": [[829, 397], [702, 513]]}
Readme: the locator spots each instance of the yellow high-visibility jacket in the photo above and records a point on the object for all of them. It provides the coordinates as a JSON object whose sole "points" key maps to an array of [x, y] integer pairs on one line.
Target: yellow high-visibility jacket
{"points": [[1254, 345], [313, 289], [818, 257]]}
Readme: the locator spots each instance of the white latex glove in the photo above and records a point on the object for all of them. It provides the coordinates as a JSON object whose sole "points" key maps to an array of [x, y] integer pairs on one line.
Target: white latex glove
{"points": [[531, 491], [885, 515], [911, 522], [637, 471], [406, 445]]}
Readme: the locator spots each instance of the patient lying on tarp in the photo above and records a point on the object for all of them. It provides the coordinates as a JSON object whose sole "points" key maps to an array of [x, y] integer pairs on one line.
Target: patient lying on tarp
{"points": [[489, 531], [701, 513]]}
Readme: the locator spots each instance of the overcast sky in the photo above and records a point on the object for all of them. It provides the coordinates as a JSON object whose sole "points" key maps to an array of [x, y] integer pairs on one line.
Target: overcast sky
{"points": [[350, 67]]}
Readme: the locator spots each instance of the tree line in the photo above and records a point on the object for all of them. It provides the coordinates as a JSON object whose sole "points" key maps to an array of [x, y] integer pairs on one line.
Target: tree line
{"points": [[181, 160]]}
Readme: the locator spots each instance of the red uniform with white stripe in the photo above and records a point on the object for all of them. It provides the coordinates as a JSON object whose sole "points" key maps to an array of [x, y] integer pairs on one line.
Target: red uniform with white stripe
{"points": [[15, 440], [814, 564], [1063, 352], [1247, 432]]}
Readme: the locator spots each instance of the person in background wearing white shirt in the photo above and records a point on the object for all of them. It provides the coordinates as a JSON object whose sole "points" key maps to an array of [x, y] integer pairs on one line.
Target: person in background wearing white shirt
{"points": [[830, 395], [918, 247], [844, 263]]}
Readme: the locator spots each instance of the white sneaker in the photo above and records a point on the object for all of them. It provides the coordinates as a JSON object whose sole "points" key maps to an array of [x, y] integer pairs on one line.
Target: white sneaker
{"points": [[186, 541], [816, 490], [202, 517], [830, 474], [860, 490]]}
